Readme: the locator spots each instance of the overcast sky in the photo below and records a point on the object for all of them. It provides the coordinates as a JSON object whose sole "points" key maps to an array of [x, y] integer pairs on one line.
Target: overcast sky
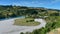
{"points": [[54, 4]]}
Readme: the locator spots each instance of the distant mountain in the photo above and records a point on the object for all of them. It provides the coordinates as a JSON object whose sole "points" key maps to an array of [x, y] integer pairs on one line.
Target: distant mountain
{"points": [[24, 7]]}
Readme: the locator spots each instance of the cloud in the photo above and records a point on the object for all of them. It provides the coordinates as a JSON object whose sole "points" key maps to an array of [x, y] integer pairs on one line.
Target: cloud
{"points": [[36, 2], [55, 1], [32, 2]]}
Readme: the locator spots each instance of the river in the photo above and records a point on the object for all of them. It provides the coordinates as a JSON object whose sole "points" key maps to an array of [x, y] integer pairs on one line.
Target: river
{"points": [[7, 27]]}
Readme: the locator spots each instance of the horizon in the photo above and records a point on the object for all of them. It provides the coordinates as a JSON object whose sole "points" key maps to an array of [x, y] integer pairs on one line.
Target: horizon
{"points": [[30, 6], [52, 4]]}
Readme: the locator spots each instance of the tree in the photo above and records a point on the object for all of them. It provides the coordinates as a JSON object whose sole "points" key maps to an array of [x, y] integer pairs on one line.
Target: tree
{"points": [[21, 33]]}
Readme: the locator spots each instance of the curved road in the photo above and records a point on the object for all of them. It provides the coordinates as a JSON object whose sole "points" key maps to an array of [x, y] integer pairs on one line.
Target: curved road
{"points": [[7, 27]]}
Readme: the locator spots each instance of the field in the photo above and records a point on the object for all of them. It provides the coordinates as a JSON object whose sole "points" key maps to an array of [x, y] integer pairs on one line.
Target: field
{"points": [[26, 22]]}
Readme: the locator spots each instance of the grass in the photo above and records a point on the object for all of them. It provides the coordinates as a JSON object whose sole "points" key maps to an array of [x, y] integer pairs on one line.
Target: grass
{"points": [[56, 20], [53, 19], [55, 31], [26, 22]]}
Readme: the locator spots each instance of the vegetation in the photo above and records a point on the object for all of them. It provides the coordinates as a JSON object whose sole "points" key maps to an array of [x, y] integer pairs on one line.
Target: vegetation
{"points": [[52, 23], [15, 11], [26, 22], [54, 31], [21, 33], [53, 19]]}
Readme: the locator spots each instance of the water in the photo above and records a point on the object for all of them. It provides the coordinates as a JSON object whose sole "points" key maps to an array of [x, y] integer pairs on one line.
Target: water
{"points": [[7, 27], [12, 18]]}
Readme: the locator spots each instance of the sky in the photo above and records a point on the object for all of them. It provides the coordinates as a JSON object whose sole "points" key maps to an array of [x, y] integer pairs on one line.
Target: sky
{"points": [[54, 4]]}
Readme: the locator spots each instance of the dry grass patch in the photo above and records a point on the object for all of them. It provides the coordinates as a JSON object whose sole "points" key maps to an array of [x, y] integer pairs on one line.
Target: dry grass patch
{"points": [[26, 22], [55, 31]]}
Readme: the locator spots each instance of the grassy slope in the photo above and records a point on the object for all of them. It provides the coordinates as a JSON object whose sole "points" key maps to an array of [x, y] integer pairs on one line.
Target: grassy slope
{"points": [[55, 31], [57, 24]]}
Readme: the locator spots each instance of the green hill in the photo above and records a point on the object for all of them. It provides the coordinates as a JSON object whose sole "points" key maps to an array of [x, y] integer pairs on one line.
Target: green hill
{"points": [[9, 11]]}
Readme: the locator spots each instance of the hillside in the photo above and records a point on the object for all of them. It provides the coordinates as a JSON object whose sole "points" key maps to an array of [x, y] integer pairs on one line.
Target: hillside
{"points": [[9, 11]]}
